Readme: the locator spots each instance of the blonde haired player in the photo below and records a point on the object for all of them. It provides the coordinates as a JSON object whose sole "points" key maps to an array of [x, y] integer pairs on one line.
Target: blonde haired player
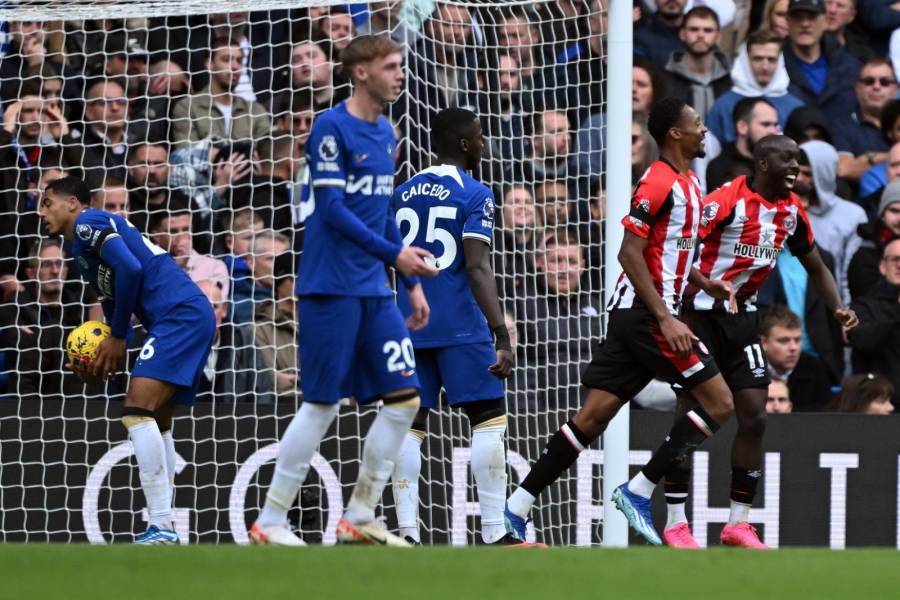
{"points": [[353, 339]]}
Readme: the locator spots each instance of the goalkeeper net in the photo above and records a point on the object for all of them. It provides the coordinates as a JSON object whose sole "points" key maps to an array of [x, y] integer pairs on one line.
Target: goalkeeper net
{"points": [[193, 125]]}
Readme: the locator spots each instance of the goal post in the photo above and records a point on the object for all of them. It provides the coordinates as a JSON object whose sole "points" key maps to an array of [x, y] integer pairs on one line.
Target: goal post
{"points": [[66, 469]]}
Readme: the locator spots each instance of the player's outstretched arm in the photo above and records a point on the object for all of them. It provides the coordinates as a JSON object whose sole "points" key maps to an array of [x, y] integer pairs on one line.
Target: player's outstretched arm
{"points": [[631, 257], [484, 288], [824, 283]]}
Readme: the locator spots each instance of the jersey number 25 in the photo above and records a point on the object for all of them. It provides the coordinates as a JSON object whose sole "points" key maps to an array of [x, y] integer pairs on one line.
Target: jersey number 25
{"points": [[433, 233]]}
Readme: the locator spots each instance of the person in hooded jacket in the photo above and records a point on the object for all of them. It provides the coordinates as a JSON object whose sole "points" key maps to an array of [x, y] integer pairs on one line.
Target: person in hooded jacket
{"points": [[758, 71], [863, 273], [834, 220]]}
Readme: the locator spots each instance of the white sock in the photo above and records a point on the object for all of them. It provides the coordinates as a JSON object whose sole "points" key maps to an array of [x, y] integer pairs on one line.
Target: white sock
{"points": [[405, 480], [489, 468], [739, 513], [520, 503], [676, 514], [150, 453], [296, 449], [379, 452], [641, 486], [169, 443]]}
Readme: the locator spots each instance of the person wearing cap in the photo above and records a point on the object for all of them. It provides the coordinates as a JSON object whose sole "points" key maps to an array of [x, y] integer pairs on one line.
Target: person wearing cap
{"points": [[876, 342], [863, 273], [822, 72]]}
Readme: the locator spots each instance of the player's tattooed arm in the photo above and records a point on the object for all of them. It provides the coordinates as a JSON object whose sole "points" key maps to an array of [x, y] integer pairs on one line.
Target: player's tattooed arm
{"points": [[824, 283], [484, 288], [631, 257]]}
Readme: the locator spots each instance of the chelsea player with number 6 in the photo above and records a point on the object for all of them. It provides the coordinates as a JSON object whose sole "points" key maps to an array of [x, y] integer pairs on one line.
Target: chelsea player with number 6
{"points": [[353, 339], [134, 276]]}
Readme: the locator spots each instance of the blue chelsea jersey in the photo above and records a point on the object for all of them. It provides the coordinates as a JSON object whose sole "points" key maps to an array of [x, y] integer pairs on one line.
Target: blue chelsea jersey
{"points": [[354, 157], [437, 209], [161, 284]]}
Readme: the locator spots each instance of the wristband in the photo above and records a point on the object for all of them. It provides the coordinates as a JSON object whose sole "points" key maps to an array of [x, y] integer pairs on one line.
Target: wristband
{"points": [[501, 338]]}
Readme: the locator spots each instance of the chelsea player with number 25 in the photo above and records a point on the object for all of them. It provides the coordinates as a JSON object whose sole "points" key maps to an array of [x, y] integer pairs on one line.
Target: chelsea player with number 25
{"points": [[353, 340], [134, 276], [465, 348]]}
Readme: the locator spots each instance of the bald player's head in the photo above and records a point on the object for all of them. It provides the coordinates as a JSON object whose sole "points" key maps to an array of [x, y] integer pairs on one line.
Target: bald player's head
{"points": [[777, 159]]}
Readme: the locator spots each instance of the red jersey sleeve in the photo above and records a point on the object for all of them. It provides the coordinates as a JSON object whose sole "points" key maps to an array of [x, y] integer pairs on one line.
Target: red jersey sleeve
{"points": [[801, 240], [651, 200]]}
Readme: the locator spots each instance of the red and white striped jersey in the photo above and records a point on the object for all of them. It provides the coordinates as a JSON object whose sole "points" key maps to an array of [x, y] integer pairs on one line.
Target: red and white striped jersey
{"points": [[665, 210], [741, 236]]}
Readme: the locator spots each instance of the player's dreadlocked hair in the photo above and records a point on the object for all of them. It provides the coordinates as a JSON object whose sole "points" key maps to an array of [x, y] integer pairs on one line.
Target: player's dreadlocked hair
{"points": [[664, 115], [449, 127]]}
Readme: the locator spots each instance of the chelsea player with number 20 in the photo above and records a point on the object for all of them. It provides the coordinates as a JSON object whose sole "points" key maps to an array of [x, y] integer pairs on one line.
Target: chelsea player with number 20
{"points": [[134, 276]]}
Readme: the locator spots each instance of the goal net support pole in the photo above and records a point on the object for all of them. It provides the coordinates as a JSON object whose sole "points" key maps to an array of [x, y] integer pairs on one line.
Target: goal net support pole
{"points": [[618, 199]]}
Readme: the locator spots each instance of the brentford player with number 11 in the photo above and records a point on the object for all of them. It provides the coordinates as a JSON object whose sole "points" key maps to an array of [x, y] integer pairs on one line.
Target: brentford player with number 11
{"points": [[744, 226]]}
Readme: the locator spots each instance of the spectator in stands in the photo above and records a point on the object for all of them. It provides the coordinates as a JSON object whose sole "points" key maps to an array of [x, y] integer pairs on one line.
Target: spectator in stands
{"points": [[27, 49], [259, 283], [822, 72], [125, 59], [559, 313], [275, 331], [699, 71], [805, 375], [518, 36], [170, 229], [577, 84], [238, 229], [865, 393], [839, 22], [876, 342], [337, 27], [150, 190], [313, 78], [643, 148], [104, 140], [112, 197], [863, 273], [440, 73], [44, 312], [384, 18], [858, 135], [833, 219], [551, 197], [271, 187], [758, 70], [659, 36], [516, 241], [217, 110], [264, 41], [881, 18], [498, 100], [550, 145], [754, 119], [151, 115], [295, 116], [648, 84], [779, 399], [876, 177], [235, 369], [775, 17]]}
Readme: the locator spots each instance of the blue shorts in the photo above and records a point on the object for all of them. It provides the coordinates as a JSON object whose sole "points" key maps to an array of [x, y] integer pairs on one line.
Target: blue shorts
{"points": [[177, 347], [461, 370], [353, 346]]}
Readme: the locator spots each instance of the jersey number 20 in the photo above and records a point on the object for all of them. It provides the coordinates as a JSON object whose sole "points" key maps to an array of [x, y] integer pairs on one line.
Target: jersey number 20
{"points": [[433, 233]]}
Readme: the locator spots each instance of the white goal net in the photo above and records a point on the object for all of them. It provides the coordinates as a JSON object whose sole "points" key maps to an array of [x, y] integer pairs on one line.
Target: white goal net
{"points": [[190, 118]]}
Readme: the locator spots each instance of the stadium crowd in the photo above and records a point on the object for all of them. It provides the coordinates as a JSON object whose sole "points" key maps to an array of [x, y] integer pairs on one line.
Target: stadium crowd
{"points": [[194, 128]]}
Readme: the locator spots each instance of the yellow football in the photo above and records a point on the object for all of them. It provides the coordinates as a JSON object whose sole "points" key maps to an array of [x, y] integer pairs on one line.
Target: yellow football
{"points": [[82, 343]]}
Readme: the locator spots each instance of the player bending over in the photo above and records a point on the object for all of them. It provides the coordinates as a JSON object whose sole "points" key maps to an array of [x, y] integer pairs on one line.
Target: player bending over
{"points": [[645, 338], [134, 276], [465, 348], [353, 340], [744, 227]]}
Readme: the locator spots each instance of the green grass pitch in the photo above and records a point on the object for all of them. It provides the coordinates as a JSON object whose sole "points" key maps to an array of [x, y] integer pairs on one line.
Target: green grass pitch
{"points": [[224, 572]]}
